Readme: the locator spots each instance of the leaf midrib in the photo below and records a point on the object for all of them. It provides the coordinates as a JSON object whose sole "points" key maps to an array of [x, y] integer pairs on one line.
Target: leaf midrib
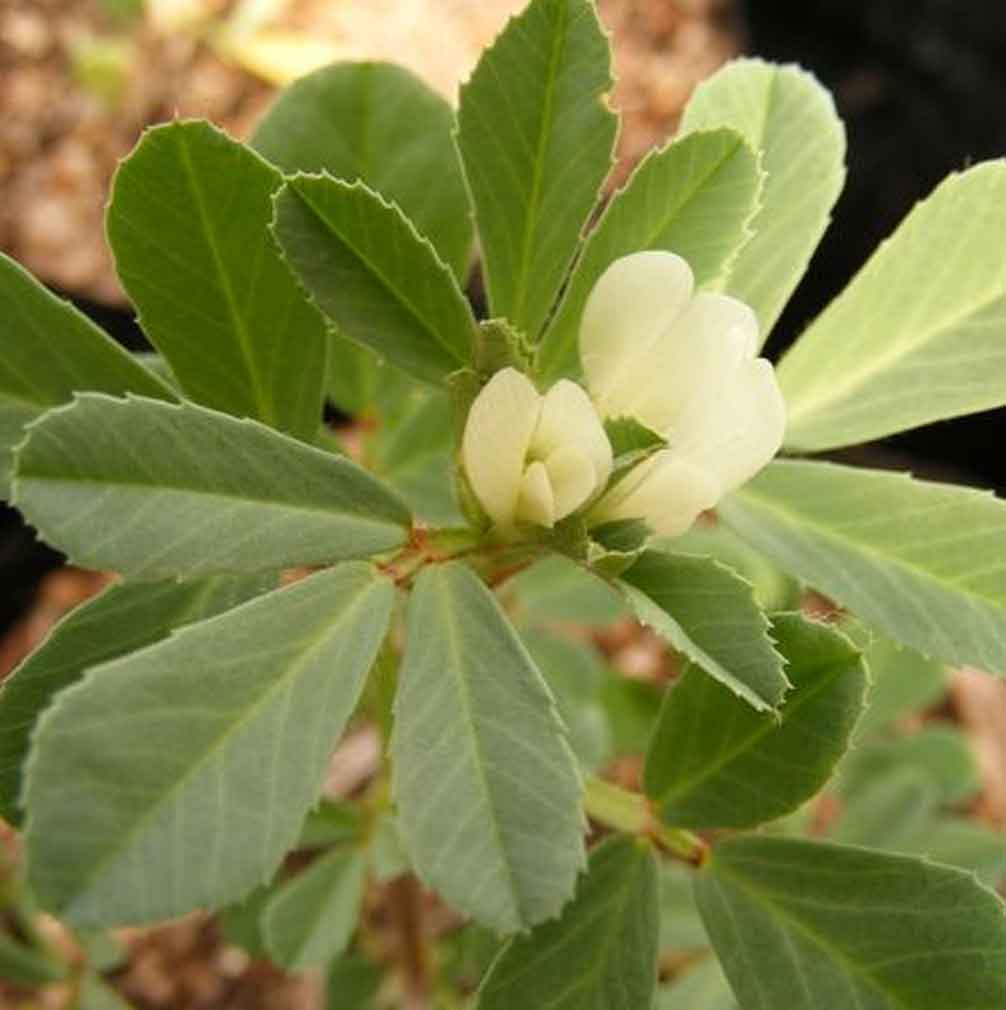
{"points": [[282, 682]]}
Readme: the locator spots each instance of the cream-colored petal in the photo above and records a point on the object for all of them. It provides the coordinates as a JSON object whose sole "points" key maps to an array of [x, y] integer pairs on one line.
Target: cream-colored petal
{"points": [[744, 431], [573, 478], [670, 496], [568, 418], [496, 439], [693, 358], [633, 303], [535, 502]]}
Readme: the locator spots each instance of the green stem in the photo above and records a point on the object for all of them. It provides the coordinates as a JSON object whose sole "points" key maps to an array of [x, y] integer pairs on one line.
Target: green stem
{"points": [[632, 813]]}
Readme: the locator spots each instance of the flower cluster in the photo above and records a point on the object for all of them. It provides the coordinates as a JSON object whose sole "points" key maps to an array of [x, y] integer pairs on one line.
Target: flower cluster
{"points": [[680, 363]]}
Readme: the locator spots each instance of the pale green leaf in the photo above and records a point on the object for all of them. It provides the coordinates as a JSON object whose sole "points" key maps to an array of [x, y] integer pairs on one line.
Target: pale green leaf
{"points": [[48, 352], [920, 333], [178, 776], [95, 994], [681, 928], [600, 954], [374, 275], [557, 589], [967, 844], [923, 562], [332, 823], [714, 762], [808, 926], [703, 986], [156, 490], [708, 612], [125, 617], [379, 123], [888, 811], [188, 224], [790, 119], [536, 138], [488, 794], [902, 681], [939, 751], [311, 919], [694, 198]]}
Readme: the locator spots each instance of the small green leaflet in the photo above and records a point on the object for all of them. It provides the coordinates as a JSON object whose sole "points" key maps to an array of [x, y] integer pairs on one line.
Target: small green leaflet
{"points": [[488, 793], [155, 490], [48, 352], [188, 224], [125, 617], [708, 612], [536, 138], [374, 275], [221, 766], [602, 950], [379, 123], [808, 926], [916, 337], [311, 919], [714, 762], [695, 198], [790, 119], [899, 553]]}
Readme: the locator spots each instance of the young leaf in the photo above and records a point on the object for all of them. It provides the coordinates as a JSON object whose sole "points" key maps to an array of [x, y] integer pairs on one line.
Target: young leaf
{"points": [[374, 275], [809, 926], [708, 612], [155, 490], [178, 776], [790, 119], [125, 617], [536, 139], [49, 351], [378, 123], [310, 920], [487, 789], [694, 198], [714, 762], [188, 224], [923, 562], [602, 950], [914, 338]]}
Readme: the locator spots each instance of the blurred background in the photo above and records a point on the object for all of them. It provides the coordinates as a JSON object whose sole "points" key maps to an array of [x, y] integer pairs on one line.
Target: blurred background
{"points": [[919, 83]]}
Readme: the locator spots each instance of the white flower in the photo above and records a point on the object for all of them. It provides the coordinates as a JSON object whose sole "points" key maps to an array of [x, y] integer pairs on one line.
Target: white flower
{"points": [[684, 365], [533, 458]]}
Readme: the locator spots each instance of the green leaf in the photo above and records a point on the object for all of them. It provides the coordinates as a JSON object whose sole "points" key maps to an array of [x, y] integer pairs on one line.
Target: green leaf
{"points": [[95, 993], [630, 437], [378, 123], [241, 922], [374, 275], [681, 928], [352, 983], [188, 224], [790, 119], [388, 858], [487, 789], [48, 352], [311, 919], [941, 752], [27, 966], [152, 791], [808, 926], [633, 707], [714, 762], [536, 138], [702, 987], [557, 589], [332, 823], [156, 490], [695, 198], [708, 612], [602, 950], [902, 681], [922, 562], [967, 844], [125, 617], [916, 337], [888, 811], [574, 671]]}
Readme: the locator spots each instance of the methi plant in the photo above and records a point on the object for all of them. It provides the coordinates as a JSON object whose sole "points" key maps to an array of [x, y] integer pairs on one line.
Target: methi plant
{"points": [[601, 442]]}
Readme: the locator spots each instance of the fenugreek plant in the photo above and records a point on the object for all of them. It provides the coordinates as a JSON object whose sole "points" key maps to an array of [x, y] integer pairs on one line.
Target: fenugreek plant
{"points": [[600, 444]]}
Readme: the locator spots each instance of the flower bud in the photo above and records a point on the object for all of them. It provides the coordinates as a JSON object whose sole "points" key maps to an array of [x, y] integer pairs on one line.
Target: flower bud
{"points": [[684, 365], [532, 458]]}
